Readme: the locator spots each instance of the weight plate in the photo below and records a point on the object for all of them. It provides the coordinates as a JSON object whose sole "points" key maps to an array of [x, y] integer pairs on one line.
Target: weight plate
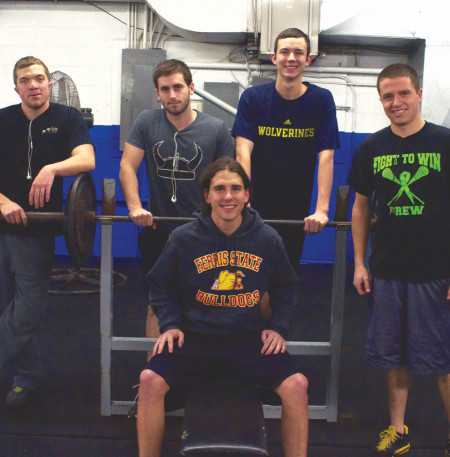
{"points": [[79, 225]]}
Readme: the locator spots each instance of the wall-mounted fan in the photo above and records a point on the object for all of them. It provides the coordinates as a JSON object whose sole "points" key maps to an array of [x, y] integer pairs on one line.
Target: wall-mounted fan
{"points": [[64, 91]]}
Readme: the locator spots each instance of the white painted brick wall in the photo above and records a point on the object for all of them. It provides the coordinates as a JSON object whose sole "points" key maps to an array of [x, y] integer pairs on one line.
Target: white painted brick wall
{"points": [[86, 43], [72, 37]]}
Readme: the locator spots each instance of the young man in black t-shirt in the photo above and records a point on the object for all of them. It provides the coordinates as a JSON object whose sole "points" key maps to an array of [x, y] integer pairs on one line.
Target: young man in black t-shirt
{"points": [[40, 142], [406, 168]]}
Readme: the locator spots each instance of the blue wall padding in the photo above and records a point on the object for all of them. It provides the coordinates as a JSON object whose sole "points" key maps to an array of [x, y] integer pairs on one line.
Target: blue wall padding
{"points": [[317, 249], [320, 248]]}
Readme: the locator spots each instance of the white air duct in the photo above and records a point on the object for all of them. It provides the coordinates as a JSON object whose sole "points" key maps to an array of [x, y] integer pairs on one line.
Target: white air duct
{"points": [[233, 21], [218, 21]]}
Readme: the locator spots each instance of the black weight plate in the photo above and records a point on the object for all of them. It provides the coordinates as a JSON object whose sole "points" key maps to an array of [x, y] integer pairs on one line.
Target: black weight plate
{"points": [[79, 227]]}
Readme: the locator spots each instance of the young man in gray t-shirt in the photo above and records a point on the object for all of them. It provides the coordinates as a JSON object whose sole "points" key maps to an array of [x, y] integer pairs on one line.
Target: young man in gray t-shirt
{"points": [[178, 143]]}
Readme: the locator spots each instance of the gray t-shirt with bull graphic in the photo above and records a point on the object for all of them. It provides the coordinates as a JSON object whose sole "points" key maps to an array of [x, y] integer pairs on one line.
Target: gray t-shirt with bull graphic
{"points": [[175, 159]]}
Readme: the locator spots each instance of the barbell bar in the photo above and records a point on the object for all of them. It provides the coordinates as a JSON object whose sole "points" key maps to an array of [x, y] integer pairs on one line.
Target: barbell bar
{"points": [[39, 217], [80, 219]]}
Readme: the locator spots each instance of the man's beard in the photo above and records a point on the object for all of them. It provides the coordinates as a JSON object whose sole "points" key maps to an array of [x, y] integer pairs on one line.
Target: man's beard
{"points": [[177, 112]]}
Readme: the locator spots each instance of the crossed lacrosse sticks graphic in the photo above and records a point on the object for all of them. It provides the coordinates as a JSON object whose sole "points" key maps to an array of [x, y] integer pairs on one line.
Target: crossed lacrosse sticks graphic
{"points": [[404, 182]]}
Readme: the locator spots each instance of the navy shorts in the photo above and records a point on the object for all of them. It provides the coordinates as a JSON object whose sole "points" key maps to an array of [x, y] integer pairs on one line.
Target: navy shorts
{"points": [[234, 354], [409, 326]]}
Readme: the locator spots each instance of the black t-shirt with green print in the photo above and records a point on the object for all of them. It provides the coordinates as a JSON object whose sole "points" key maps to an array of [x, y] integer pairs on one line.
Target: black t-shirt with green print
{"points": [[409, 179]]}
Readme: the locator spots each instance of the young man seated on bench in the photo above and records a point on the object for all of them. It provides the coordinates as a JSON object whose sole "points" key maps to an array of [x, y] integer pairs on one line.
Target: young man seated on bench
{"points": [[205, 290]]}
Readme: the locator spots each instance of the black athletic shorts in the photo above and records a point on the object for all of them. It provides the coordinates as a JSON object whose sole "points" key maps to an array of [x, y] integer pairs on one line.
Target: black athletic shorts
{"points": [[233, 354]]}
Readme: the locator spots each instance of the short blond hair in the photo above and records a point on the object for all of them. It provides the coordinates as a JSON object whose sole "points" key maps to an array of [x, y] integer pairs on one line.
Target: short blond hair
{"points": [[25, 62]]}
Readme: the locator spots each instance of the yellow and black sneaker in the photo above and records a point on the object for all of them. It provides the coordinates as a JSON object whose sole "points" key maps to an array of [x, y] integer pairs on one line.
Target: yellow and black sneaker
{"points": [[393, 443], [447, 449], [19, 396]]}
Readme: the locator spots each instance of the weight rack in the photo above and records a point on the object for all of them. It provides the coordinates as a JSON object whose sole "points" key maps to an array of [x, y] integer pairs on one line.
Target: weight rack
{"points": [[331, 348]]}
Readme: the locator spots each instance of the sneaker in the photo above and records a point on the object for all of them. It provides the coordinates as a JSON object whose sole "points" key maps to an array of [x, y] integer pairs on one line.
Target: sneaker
{"points": [[19, 396], [447, 450], [392, 443]]}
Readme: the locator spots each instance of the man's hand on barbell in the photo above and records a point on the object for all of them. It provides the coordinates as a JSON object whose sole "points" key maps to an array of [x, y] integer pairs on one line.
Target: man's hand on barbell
{"points": [[141, 217], [13, 213], [41, 187], [314, 223]]}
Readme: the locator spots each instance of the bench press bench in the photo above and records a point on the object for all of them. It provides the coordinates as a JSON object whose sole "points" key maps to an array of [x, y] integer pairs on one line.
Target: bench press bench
{"points": [[223, 415]]}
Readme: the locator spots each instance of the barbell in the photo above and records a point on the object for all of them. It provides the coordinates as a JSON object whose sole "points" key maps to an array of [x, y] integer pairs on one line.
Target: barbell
{"points": [[80, 217]]}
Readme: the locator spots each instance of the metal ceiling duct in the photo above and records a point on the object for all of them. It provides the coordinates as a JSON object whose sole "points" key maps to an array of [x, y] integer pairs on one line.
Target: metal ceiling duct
{"points": [[232, 21], [220, 21]]}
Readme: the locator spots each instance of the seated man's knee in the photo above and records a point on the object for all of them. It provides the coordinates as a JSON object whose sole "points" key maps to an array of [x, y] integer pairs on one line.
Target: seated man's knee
{"points": [[296, 385], [150, 312], [152, 385]]}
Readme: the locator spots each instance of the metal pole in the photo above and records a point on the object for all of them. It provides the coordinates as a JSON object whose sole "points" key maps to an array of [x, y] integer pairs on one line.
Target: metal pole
{"points": [[129, 27], [144, 37], [106, 315], [216, 101], [38, 217], [337, 320], [271, 67]]}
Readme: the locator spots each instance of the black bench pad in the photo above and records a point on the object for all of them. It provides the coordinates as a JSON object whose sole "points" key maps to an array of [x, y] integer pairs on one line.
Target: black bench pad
{"points": [[223, 415]]}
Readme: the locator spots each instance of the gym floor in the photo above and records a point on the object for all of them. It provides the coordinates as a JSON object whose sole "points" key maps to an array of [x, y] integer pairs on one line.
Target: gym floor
{"points": [[64, 419]]}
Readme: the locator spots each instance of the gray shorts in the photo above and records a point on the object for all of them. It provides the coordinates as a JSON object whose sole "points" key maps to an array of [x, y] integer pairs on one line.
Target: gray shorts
{"points": [[409, 326]]}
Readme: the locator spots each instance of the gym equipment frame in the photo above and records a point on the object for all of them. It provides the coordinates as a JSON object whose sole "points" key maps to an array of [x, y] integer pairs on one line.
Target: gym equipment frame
{"points": [[331, 348]]}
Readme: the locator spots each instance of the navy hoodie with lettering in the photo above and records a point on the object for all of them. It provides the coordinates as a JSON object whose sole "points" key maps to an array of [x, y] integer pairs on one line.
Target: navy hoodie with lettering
{"points": [[207, 282]]}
